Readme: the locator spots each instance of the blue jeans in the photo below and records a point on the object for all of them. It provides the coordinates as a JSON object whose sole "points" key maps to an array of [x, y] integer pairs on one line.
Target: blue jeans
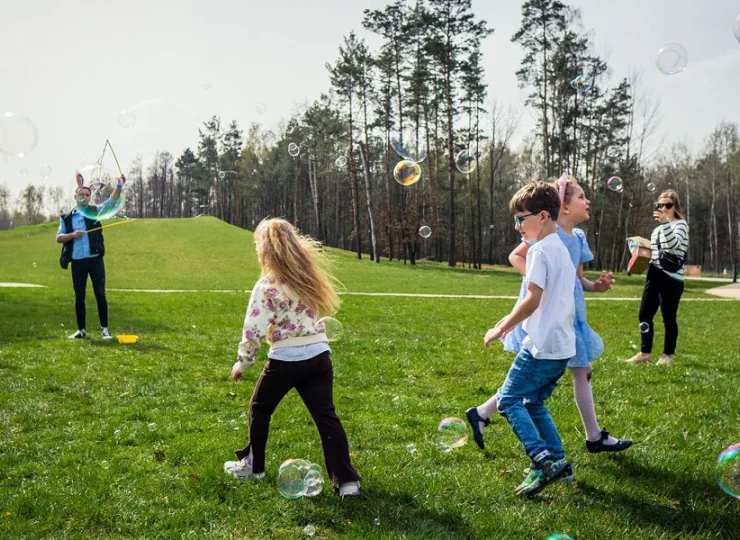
{"points": [[522, 402]]}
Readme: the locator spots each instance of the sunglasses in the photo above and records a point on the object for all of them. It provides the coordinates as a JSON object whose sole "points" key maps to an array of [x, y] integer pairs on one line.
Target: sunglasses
{"points": [[667, 205], [519, 220]]}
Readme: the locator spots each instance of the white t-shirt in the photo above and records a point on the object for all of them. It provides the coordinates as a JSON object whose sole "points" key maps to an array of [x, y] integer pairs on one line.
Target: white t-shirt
{"points": [[550, 334]]}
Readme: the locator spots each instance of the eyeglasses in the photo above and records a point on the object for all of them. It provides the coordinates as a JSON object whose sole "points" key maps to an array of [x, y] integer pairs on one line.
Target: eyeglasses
{"points": [[667, 205], [519, 220]]}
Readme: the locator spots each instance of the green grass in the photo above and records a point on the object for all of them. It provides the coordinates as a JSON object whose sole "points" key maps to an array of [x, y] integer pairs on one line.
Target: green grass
{"points": [[81, 421]]}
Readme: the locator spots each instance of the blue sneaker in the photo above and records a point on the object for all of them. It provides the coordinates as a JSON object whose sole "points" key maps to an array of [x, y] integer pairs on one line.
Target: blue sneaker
{"points": [[539, 479]]}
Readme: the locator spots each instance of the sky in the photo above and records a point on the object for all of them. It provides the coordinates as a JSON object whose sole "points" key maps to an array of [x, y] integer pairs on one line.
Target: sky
{"points": [[72, 67]]}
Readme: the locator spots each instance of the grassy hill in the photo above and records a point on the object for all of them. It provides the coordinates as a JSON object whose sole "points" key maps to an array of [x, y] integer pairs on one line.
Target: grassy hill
{"points": [[206, 254], [105, 440]]}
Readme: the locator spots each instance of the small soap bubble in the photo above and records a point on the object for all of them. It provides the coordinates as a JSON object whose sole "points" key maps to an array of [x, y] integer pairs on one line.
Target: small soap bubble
{"points": [[117, 433], [34, 265], [222, 175], [465, 161], [408, 146], [331, 327], [425, 231], [45, 171], [340, 162], [407, 172], [105, 465], [207, 86], [18, 134], [152, 426], [615, 184], [451, 433], [126, 119], [582, 83], [411, 448], [651, 186], [736, 27], [377, 522], [728, 470], [644, 327], [294, 149], [309, 530], [23, 170], [261, 108], [672, 59]]}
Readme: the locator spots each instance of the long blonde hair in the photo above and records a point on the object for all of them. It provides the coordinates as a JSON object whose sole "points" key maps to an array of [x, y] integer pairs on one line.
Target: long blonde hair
{"points": [[288, 255]]}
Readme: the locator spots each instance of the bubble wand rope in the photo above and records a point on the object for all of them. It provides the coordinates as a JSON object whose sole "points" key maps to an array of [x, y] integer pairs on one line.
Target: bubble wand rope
{"points": [[110, 225], [114, 156]]}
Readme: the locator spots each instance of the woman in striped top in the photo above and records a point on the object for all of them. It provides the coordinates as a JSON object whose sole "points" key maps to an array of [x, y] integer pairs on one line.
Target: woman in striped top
{"points": [[664, 284]]}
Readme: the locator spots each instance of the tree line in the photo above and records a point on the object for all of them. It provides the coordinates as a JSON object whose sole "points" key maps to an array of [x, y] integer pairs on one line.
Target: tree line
{"points": [[426, 81]]}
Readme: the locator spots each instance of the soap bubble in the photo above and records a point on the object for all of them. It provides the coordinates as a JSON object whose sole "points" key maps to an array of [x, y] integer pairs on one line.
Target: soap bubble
{"points": [[411, 448], [644, 327], [127, 119], [45, 171], [583, 83], [559, 536], [23, 170], [207, 86], [331, 327], [18, 134], [728, 470], [340, 162], [294, 149], [651, 186], [309, 530], [221, 175], [672, 59], [102, 206], [261, 108], [407, 172], [615, 184], [408, 146], [425, 231], [451, 433], [465, 161], [298, 478]]}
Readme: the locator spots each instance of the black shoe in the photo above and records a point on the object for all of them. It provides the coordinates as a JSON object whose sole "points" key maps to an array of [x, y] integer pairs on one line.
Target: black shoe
{"points": [[473, 419], [596, 447]]}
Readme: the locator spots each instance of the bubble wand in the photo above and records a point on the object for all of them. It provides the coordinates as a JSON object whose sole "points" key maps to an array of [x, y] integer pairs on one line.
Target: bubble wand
{"points": [[109, 225]]}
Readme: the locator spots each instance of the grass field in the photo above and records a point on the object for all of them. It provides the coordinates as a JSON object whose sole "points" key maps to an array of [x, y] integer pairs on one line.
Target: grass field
{"points": [[101, 439]]}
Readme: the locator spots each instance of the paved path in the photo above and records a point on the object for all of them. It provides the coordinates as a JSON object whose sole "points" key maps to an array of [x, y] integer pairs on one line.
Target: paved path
{"points": [[728, 291]]}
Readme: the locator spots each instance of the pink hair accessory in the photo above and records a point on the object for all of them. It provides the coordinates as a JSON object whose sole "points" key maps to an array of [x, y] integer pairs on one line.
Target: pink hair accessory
{"points": [[562, 182]]}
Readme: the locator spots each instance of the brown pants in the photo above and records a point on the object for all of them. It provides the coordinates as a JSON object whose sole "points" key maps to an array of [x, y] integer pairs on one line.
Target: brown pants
{"points": [[314, 381]]}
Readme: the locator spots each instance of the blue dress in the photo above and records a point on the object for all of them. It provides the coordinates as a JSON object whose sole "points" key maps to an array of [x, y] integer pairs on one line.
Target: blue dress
{"points": [[588, 343]]}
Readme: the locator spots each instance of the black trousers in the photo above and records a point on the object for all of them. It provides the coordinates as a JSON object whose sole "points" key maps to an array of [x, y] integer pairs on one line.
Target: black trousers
{"points": [[314, 381], [95, 268], [662, 291]]}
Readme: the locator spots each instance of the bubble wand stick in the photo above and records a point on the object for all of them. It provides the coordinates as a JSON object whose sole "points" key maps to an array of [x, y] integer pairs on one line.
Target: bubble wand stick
{"points": [[109, 225]]}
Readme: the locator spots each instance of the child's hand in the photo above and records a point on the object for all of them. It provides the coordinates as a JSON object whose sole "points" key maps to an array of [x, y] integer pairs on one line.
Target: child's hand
{"points": [[660, 217], [492, 334], [605, 282], [237, 370]]}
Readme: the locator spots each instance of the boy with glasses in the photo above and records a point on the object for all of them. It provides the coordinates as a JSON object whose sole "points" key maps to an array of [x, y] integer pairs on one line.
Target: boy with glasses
{"points": [[547, 311]]}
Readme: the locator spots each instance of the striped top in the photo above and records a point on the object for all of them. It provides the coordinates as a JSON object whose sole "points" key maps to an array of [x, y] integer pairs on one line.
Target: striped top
{"points": [[674, 238]]}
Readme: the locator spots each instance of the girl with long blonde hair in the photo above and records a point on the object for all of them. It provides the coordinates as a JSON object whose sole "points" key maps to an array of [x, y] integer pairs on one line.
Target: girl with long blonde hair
{"points": [[293, 292]]}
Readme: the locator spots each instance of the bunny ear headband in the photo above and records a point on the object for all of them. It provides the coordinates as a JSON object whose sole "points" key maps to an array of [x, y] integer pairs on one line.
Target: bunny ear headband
{"points": [[562, 183], [81, 182]]}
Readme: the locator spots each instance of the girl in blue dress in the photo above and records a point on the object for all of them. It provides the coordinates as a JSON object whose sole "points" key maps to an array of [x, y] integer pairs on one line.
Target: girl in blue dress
{"points": [[573, 211]]}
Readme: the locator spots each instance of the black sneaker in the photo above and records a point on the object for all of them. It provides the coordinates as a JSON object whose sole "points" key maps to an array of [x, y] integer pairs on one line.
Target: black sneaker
{"points": [[80, 334], [597, 447]]}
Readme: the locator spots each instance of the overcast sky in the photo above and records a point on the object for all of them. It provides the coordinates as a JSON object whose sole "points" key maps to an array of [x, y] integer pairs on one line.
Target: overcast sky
{"points": [[73, 66]]}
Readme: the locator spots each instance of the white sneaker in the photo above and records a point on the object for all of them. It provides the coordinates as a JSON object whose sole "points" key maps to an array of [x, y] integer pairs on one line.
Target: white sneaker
{"points": [[665, 360], [106, 333], [80, 334], [350, 489], [241, 470]]}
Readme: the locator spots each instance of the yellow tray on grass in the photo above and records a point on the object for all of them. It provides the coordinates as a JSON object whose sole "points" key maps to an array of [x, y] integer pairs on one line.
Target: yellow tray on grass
{"points": [[127, 338]]}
